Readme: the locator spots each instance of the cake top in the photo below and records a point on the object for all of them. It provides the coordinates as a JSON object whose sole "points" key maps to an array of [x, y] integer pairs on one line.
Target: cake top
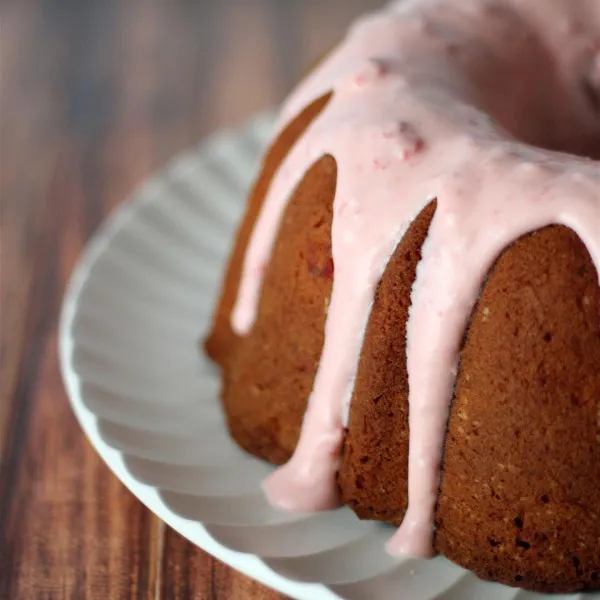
{"points": [[488, 106]]}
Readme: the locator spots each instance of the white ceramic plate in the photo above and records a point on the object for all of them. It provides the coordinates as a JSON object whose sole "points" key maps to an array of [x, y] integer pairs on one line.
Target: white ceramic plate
{"points": [[137, 306]]}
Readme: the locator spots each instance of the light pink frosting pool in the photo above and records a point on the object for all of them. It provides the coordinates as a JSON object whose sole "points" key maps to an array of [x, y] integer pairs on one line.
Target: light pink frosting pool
{"points": [[432, 99]]}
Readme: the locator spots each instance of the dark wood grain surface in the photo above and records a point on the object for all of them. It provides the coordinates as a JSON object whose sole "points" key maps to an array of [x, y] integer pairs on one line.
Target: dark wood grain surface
{"points": [[94, 95]]}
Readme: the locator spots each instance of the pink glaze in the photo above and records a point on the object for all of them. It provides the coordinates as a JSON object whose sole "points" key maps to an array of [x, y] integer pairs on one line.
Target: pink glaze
{"points": [[432, 99]]}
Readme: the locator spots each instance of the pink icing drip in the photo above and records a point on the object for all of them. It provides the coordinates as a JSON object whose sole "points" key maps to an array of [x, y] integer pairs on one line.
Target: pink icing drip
{"points": [[409, 122]]}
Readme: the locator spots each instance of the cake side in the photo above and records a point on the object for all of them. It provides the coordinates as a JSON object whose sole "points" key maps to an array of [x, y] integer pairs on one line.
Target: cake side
{"points": [[519, 496], [520, 492], [221, 341], [373, 472], [268, 380]]}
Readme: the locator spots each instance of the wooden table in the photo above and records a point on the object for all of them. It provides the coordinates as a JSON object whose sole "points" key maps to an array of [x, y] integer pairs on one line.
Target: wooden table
{"points": [[94, 96]]}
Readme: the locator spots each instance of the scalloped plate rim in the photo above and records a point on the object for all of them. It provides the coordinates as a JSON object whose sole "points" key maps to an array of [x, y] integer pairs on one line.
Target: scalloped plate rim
{"points": [[195, 532], [248, 564]]}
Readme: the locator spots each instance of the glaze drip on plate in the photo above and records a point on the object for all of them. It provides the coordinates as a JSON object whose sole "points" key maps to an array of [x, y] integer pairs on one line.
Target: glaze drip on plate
{"points": [[431, 101]]}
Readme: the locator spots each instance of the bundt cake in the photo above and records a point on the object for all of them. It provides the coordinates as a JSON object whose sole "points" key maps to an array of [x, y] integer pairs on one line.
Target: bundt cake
{"points": [[410, 320]]}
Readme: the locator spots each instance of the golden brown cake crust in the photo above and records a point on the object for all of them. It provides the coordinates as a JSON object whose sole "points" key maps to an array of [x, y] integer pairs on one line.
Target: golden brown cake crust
{"points": [[267, 385], [222, 338], [519, 500], [374, 468], [520, 496]]}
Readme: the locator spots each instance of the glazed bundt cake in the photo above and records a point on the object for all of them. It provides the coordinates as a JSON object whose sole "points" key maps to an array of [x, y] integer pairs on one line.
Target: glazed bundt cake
{"points": [[410, 320]]}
